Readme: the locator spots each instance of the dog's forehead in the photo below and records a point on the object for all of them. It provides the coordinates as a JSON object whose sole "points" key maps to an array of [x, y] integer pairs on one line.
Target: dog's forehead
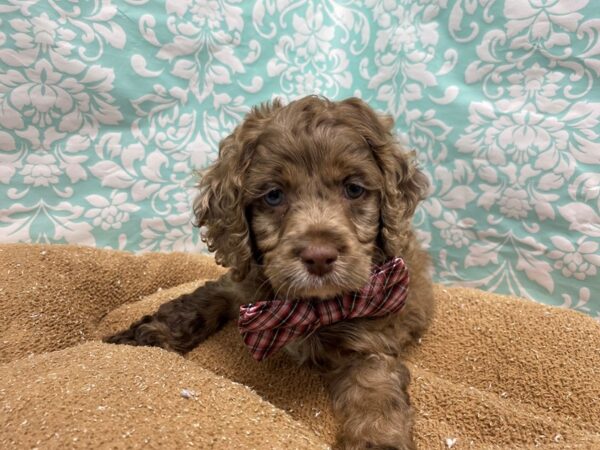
{"points": [[328, 152]]}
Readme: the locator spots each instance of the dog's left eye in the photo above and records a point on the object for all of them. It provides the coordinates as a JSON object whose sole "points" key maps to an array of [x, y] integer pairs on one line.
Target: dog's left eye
{"points": [[353, 190], [274, 197]]}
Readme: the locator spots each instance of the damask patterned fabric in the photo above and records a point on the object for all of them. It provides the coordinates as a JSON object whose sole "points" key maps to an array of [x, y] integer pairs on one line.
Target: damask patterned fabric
{"points": [[106, 106]]}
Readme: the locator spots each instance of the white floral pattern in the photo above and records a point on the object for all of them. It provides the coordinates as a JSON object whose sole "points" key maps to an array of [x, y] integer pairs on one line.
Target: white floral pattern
{"points": [[107, 107], [109, 214]]}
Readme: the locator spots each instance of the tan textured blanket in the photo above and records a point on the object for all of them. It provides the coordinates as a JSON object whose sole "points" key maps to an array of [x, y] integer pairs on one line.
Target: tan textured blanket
{"points": [[493, 372]]}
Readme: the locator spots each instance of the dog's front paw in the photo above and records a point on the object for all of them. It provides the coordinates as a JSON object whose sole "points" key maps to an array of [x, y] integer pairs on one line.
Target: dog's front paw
{"points": [[144, 332]]}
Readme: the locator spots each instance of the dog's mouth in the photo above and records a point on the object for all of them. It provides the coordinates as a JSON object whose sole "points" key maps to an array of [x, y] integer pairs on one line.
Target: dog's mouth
{"points": [[326, 286], [303, 285]]}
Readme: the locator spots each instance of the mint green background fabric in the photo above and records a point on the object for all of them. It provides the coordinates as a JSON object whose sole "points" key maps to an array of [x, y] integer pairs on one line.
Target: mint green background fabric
{"points": [[106, 106]]}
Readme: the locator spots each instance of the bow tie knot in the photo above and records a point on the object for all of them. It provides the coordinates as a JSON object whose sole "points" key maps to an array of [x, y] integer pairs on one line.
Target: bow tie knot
{"points": [[267, 326]]}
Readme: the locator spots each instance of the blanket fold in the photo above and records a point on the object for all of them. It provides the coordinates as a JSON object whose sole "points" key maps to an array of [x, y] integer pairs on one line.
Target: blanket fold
{"points": [[493, 371]]}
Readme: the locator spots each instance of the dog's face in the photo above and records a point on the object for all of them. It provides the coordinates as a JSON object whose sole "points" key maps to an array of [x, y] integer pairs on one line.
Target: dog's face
{"points": [[314, 209], [312, 193]]}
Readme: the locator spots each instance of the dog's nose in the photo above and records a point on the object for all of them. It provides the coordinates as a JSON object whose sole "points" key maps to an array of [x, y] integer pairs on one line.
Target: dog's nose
{"points": [[319, 259]]}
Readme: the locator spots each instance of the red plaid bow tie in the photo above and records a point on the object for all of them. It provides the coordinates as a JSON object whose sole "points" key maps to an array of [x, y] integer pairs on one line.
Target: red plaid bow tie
{"points": [[268, 326]]}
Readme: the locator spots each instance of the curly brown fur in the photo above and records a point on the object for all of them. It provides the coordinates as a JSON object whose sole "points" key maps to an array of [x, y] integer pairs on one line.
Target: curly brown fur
{"points": [[283, 194]]}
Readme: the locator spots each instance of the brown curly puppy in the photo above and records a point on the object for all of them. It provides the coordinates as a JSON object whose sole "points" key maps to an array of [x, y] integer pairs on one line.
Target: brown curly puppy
{"points": [[302, 202]]}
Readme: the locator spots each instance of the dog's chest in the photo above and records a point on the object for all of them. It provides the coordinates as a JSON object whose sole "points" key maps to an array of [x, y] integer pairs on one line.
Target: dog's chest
{"points": [[320, 347], [305, 350]]}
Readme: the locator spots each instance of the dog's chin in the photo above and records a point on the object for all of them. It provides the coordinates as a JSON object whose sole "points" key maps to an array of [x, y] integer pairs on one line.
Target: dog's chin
{"points": [[320, 292], [308, 286]]}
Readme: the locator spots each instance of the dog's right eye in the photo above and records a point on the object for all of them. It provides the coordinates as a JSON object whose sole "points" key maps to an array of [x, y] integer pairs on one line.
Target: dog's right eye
{"points": [[274, 197], [353, 190]]}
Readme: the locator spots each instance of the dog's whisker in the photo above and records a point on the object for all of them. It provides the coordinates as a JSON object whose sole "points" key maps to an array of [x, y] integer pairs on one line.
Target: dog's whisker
{"points": [[257, 291]]}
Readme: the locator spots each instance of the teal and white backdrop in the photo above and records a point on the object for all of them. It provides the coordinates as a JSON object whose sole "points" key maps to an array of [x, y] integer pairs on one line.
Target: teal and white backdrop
{"points": [[106, 106]]}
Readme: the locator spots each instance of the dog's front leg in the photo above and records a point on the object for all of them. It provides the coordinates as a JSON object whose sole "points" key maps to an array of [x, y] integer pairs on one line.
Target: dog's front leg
{"points": [[181, 324], [371, 403]]}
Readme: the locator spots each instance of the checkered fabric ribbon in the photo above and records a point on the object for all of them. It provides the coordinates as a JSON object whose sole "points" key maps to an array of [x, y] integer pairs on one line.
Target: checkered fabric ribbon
{"points": [[267, 326]]}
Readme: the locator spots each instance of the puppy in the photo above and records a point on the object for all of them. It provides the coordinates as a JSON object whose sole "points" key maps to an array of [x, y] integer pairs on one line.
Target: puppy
{"points": [[304, 201]]}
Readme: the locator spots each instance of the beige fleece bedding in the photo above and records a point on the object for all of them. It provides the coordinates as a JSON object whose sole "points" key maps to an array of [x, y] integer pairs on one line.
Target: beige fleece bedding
{"points": [[493, 372]]}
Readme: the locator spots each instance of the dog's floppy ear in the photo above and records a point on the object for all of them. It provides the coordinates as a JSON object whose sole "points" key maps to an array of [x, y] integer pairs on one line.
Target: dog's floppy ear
{"points": [[404, 184], [219, 205]]}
